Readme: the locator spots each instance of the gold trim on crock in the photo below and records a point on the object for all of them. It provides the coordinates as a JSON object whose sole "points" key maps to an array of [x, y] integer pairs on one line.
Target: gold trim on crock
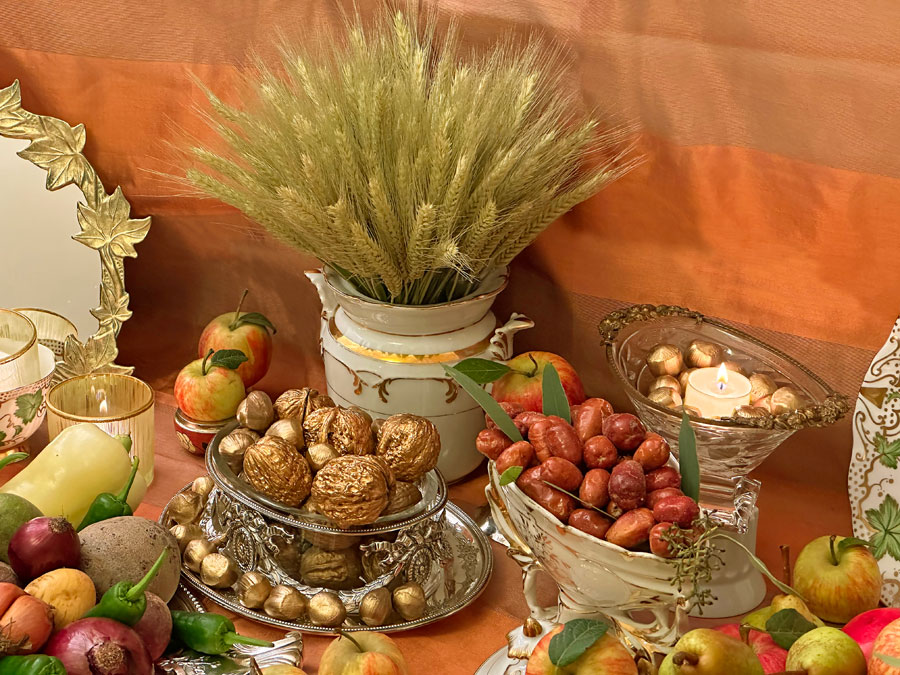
{"points": [[13, 357], [100, 420]]}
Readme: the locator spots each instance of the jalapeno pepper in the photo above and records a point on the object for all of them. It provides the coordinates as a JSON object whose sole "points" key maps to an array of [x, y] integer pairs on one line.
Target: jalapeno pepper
{"points": [[35, 664], [125, 602], [209, 633], [107, 505]]}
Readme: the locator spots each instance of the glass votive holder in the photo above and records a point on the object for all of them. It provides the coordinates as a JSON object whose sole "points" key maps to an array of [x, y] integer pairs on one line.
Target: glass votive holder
{"points": [[20, 362], [52, 328], [118, 404]]}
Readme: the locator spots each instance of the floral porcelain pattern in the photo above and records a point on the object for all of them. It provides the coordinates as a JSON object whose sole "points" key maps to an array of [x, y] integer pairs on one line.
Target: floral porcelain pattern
{"points": [[875, 464], [22, 410]]}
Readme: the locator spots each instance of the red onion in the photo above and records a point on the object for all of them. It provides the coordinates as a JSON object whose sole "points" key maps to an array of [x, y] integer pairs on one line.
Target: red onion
{"points": [[100, 647], [155, 627], [42, 545]]}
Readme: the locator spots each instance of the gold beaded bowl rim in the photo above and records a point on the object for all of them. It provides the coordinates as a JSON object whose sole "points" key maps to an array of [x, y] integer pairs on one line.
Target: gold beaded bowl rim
{"points": [[476, 584], [431, 483], [832, 407]]}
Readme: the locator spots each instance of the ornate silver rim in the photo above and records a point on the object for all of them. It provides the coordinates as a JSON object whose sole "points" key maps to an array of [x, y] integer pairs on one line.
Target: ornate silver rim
{"points": [[452, 514]]}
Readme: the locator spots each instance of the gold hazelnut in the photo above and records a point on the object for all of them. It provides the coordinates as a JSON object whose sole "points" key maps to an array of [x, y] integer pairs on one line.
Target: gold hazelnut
{"points": [[256, 411], [290, 430], [286, 603], [234, 445], [218, 571], [666, 397], [402, 496], [665, 382], [203, 486], [375, 607], [787, 399], [409, 601], [319, 455], [683, 379], [326, 609], [761, 385], [253, 589], [195, 552], [185, 508], [410, 444], [735, 367], [665, 359], [703, 354], [690, 410], [765, 403], [184, 534]]}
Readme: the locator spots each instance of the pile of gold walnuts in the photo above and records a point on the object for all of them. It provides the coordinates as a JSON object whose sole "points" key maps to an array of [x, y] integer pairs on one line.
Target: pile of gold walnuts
{"points": [[304, 451]]}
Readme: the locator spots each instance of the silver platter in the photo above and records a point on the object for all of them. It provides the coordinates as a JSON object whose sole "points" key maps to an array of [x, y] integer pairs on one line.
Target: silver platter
{"points": [[456, 582], [432, 485]]}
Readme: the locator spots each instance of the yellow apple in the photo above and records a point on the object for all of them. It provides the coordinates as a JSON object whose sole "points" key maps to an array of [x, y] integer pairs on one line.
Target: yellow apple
{"points": [[363, 654], [607, 656]]}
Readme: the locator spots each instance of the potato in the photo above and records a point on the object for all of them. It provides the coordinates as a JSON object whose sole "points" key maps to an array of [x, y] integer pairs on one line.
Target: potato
{"points": [[624, 430], [561, 473], [69, 592], [631, 529], [627, 486], [124, 548], [595, 488], [600, 453], [653, 452]]}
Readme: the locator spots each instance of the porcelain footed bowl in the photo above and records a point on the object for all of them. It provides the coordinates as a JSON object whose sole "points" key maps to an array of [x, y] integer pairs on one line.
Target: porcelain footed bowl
{"points": [[22, 410]]}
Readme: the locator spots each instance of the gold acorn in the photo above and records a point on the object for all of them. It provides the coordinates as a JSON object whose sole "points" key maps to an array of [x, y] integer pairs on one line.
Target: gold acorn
{"points": [[665, 359], [285, 603], [184, 534], [253, 589], [234, 445], [218, 571], [410, 444], [326, 609], [761, 385], [352, 490], [256, 411], [703, 354], [275, 468], [665, 382], [409, 601], [290, 430], [375, 607], [195, 553], [402, 496]]}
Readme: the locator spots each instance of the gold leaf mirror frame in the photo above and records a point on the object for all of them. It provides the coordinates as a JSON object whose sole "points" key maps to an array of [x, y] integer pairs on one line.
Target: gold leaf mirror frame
{"points": [[106, 226]]}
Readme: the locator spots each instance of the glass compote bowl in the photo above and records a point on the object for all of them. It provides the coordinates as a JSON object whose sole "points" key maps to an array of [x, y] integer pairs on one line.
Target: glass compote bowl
{"points": [[729, 448]]}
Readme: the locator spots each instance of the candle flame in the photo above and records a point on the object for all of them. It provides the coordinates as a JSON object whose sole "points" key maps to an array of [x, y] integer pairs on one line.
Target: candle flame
{"points": [[103, 405], [722, 378]]}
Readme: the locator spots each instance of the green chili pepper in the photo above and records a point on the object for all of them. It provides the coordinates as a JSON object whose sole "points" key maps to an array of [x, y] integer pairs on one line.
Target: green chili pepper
{"points": [[209, 633], [14, 457], [35, 664], [107, 505], [125, 602]]}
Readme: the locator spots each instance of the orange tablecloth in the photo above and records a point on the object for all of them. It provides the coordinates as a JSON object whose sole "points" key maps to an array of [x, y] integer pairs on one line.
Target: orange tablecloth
{"points": [[790, 513]]}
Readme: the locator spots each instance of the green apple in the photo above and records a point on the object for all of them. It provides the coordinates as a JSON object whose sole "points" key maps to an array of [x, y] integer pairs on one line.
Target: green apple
{"points": [[837, 585], [607, 656], [826, 651], [209, 389], [704, 651], [363, 654]]}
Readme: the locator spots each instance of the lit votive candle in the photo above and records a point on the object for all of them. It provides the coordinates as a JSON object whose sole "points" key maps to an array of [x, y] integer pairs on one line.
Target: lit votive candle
{"points": [[716, 392]]}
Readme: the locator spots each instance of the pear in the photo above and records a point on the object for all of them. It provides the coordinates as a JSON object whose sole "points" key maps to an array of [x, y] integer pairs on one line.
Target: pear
{"points": [[780, 602], [826, 651], [758, 618], [708, 652]]}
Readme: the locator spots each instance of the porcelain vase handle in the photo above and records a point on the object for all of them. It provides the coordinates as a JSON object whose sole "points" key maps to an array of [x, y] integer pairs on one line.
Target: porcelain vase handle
{"points": [[326, 297], [501, 348]]}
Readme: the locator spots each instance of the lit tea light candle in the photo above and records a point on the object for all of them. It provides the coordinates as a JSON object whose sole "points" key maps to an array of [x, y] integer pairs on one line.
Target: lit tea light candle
{"points": [[716, 392]]}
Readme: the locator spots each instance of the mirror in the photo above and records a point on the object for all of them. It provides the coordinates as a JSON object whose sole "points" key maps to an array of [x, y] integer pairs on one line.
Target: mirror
{"points": [[65, 238]]}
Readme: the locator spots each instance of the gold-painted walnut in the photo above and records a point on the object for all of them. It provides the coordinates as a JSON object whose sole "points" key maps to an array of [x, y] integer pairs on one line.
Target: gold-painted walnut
{"points": [[275, 468], [235, 444], [402, 496], [352, 490], [298, 403], [337, 570], [348, 431], [410, 444]]}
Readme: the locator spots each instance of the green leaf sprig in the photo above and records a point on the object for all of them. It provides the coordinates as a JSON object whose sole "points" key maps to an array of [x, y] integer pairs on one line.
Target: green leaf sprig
{"points": [[249, 318], [787, 626], [488, 404], [224, 358], [553, 396], [850, 542], [687, 459], [576, 637], [483, 371], [511, 475]]}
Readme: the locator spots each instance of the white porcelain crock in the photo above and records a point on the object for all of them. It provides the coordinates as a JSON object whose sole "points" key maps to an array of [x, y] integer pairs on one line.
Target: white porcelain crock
{"points": [[388, 359]]}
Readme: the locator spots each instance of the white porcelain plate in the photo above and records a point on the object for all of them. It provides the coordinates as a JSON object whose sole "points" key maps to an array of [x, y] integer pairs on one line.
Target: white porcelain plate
{"points": [[874, 478], [500, 664]]}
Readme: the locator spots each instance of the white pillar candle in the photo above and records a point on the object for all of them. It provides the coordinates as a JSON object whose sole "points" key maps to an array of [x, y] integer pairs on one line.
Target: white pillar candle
{"points": [[716, 392]]}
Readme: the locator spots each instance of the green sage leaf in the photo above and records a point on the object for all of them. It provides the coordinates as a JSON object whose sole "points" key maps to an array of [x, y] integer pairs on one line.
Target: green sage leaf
{"points": [[482, 371], [786, 627], [890, 660], [575, 638], [511, 475], [687, 459], [28, 405], [254, 319], [488, 404], [228, 358], [850, 542], [555, 401]]}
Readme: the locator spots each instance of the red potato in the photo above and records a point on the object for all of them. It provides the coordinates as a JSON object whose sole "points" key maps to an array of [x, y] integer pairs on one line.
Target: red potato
{"points": [[595, 488], [663, 477], [511, 409], [561, 473], [653, 452], [627, 485], [558, 503], [659, 495], [624, 430], [552, 438], [517, 454], [679, 510], [591, 522], [657, 545], [600, 453], [589, 416], [491, 442], [631, 529]]}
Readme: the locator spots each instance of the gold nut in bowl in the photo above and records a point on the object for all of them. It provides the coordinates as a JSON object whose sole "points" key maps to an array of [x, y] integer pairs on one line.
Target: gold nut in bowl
{"points": [[337, 570], [666, 397], [683, 378], [735, 367], [286, 603], [375, 607], [184, 534], [288, 552], [290, 430], [203, 486], [319, 455], [218, 571], [351, 490], [750, 412], [330, 542], [402, 496], [293, 403], [185, 508], [665, 359], [253, 589], [703, 354], [195, 552], [410, 444], [234, 445], [409, 601], [348, 431], [275, 468], [665, 382], [787, 399], [256, 411], [326, 609], [765, 403], [761, 385], [690, 410]]}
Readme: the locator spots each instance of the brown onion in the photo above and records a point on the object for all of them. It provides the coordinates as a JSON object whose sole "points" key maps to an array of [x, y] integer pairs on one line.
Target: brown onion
{"points": [[42, 545]]}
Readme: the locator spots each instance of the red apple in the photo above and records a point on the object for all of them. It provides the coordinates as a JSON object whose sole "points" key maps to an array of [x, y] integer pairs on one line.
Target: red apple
{"points": [[523, 383], [210, 389], [866, 627], [363, 654], [607, 656], [887, 644], [245, 331], [837, 585], [772, 657]]}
